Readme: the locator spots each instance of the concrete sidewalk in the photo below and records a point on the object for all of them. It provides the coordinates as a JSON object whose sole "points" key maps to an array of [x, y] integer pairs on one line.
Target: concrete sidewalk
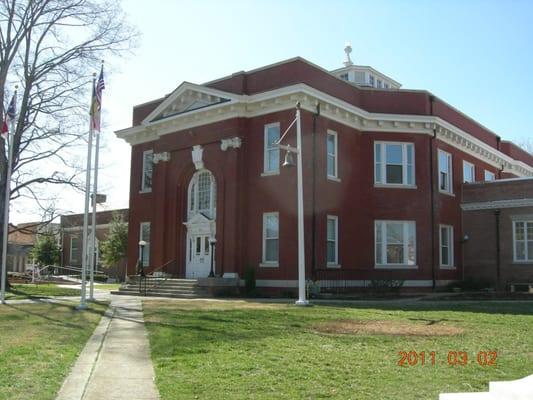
{"points": [[115, 363]]}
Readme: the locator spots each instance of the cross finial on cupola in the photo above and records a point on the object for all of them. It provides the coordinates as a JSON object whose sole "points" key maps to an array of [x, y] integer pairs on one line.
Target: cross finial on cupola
{"points": [[348, 50]]}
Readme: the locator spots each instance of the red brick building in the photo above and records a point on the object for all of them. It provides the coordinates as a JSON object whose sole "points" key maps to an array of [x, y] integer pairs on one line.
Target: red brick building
{"points": [[498, 228], [383, 171], [71, 227]]}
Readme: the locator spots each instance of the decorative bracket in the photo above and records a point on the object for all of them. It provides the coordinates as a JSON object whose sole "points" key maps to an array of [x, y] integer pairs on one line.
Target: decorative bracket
{"points": [[233, 143], [197, 153], [164, 156]]}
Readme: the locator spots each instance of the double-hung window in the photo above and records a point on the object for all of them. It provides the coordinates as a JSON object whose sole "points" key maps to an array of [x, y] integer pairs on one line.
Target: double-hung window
{"points": [[445, 172], [394, 163], [270, 239], [332, 241], [144, 234], [446, 246], [271, 149], [489, 176], [523, 241], [395, 243], [146, 180], [469, 172], [332, 148], [74, 249]]}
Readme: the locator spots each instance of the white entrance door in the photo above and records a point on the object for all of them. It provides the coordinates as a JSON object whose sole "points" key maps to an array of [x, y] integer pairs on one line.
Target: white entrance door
{"points": [[199, 256]]}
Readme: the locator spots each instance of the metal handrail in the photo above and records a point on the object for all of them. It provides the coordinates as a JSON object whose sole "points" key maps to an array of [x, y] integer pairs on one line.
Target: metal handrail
{"points": [[152, 281]]}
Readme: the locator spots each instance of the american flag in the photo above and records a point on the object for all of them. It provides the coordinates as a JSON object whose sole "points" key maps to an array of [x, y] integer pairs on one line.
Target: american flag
{"points": [[96, 103], [10, 115]]}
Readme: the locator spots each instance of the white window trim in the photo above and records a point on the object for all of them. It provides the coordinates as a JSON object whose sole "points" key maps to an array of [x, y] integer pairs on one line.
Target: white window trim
{"points": [[73, 260], [472, 167], [451, 255], [334, 264], [146, 251], [529, 258], [143, 188], [450, 172], [334, 177], [194, 193], [383, 167], [384, 245], [265, 150], [265, 263], [492, 174]]}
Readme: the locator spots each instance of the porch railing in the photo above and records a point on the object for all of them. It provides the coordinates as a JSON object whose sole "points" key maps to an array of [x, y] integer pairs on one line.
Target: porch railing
{"points": [[156, 277]]}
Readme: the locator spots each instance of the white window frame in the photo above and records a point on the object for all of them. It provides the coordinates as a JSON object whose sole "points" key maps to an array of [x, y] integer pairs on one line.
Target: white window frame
{"points": [[451, 260], [449, 189], [335, 175], [472, 168], [146, 252], [371, 80], [383, 165], [71, 259], [193, 197], [267, 149], [528, 257], [383, 250], [144, 189], [491, 175], [264, 261], [334, 263]]}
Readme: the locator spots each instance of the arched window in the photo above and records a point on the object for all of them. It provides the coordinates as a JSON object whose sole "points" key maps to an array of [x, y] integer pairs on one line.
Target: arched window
{"points": [[202, 194]]}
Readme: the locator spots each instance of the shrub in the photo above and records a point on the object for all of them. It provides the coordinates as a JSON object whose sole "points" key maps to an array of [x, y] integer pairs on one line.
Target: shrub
{"points": [[249, 280], [470, 284], [386, 285], [46, 250]]}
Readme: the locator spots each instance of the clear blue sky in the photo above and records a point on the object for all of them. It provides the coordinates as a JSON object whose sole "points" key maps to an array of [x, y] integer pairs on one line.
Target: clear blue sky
{"points": [[476, 55]]}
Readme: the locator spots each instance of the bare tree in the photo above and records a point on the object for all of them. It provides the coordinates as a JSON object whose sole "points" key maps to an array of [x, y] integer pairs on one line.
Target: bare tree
{"points": [[50, 48], [526, 144]]}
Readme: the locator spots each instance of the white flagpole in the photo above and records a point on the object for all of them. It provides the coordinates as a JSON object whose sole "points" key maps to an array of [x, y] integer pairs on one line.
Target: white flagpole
{"points": [[95, 191], [10, 140], [83, 304], [93, 229]]}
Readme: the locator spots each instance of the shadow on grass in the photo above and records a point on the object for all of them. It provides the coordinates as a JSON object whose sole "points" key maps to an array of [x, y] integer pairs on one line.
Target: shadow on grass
{"points": [[23, 308], [486, 307]]}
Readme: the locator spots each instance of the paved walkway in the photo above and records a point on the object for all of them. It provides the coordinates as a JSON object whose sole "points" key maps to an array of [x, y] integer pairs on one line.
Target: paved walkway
{"points": [[115, 364]]}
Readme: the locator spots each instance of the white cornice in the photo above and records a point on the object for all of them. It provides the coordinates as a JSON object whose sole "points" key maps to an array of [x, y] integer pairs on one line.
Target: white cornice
{"points": [[332, 108], [497, 204]]}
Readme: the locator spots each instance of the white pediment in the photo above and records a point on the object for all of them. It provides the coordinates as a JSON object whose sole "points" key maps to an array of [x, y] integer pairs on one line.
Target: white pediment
{"points": [[198, 219], [200, 224], [186, 98]]}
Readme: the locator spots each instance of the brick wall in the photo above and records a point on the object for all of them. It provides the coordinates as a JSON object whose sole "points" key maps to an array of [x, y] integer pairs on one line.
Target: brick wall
{"points": [[480, 251]]}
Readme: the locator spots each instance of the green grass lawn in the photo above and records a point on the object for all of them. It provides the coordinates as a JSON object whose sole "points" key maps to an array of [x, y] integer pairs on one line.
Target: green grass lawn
{"points": [[23, 291], [247, 350], [38, 345]]}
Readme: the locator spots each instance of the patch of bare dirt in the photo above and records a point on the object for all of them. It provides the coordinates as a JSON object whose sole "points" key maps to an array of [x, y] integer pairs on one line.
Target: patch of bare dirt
{"points": [[392, 328]]}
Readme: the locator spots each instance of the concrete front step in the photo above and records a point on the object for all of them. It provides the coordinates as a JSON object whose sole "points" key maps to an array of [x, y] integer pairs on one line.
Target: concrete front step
{"points": [[169, 287], [158, 294]]}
